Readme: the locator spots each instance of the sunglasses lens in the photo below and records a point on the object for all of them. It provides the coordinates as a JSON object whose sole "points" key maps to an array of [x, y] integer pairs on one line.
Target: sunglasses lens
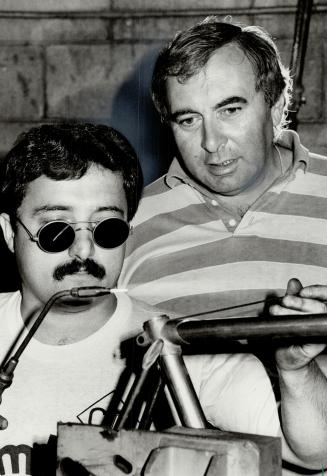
{"points": [[111, 233], [56, 236]]}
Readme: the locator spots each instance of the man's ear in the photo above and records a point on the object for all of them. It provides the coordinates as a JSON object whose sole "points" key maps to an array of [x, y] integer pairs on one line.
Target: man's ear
{"points": [[277, 111], [8, 231]]}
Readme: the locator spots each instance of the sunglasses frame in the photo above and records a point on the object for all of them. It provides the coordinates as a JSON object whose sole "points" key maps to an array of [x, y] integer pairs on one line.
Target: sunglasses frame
{"points": [[35, 238]]}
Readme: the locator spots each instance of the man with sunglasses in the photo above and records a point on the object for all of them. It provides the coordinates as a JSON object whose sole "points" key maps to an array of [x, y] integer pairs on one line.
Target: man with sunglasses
{"points": [[68, 193]]}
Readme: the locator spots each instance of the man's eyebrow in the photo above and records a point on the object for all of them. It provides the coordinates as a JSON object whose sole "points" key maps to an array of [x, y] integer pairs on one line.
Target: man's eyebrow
{"points": [[230, 100], [49, 208], [110, 208], [54, 208], [224, 102]]}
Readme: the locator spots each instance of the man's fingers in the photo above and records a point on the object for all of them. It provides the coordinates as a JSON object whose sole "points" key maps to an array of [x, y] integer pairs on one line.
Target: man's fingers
{"points": [[294, 286], [304, 305], [312, 350], [298, 305], [277, 310], [316, 291], [299, 300]]}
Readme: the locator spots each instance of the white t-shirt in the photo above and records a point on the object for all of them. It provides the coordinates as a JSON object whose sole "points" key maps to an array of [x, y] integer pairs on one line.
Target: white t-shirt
{"points": [[74, 383]]}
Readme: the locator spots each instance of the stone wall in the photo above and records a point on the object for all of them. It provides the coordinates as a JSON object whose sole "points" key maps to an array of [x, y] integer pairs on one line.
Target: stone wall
{"points": [[92, 60]]}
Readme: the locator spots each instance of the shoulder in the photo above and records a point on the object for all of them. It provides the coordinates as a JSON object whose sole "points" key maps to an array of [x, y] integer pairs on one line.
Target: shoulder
{"points": [[147, 312], [9, 299], [317, 163], [151, 203], [312, 155], [314, 163], [160, 199], [142, 312], [156, 187], [10, 318]]}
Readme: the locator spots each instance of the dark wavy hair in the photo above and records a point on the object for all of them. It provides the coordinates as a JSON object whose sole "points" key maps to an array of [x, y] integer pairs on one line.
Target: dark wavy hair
{"points": [[191, 49], [66, 151]]}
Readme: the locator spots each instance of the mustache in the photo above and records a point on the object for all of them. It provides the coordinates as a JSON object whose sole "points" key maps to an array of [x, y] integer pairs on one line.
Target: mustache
{"points": [[73, 267]]}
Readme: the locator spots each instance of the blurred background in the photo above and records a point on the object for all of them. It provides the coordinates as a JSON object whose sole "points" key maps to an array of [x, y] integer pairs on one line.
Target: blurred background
{"points": [[92, 60]]}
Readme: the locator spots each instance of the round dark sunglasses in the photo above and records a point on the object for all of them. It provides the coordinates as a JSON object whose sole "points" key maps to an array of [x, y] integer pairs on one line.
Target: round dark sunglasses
{"points": [[59, 235]]}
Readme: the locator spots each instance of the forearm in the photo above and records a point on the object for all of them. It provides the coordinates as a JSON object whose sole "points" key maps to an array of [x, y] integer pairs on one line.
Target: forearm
{"points": [[304, 413]]}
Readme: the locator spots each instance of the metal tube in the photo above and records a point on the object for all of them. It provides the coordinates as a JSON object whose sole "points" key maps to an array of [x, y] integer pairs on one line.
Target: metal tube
{"points": [[182, 391], [179, 383], [146, 419], [190, 331], [149, 359], [130, 401]]}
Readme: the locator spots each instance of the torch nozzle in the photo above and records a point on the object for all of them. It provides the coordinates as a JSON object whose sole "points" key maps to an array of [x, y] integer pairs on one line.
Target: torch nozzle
{"points": [[94, 291]]}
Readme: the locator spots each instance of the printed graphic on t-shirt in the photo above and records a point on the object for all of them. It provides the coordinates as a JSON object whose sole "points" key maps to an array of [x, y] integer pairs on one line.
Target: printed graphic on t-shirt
{"points": [[16, 460], [93, 414]]}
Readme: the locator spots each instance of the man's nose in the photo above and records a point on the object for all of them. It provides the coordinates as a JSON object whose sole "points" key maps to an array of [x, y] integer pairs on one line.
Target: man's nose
{"points": [[212, 136], [83, 245]]}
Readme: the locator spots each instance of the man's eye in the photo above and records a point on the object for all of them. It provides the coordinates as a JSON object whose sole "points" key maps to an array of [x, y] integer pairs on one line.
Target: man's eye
{"points": [[188, 122], [230, 111]]}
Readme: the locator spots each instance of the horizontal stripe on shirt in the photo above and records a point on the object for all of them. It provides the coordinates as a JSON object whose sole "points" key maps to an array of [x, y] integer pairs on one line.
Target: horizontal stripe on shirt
{"points": [[232, 276], [189, 253], [178, 257]]}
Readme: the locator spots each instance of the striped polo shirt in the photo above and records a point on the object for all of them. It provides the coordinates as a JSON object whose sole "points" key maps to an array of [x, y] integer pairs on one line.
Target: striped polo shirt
{"points": [[189, 255]]}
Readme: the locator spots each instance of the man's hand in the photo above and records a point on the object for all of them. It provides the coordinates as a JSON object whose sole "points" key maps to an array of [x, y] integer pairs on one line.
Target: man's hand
{"points": [[300, 300], [303, 385]]}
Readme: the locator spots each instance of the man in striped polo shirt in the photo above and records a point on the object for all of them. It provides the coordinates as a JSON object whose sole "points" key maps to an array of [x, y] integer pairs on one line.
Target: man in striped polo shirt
{"points": [[243, 207]]}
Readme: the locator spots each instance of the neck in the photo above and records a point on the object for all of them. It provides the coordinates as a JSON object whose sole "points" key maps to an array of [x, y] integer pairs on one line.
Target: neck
{"points": [[71, 320]]}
